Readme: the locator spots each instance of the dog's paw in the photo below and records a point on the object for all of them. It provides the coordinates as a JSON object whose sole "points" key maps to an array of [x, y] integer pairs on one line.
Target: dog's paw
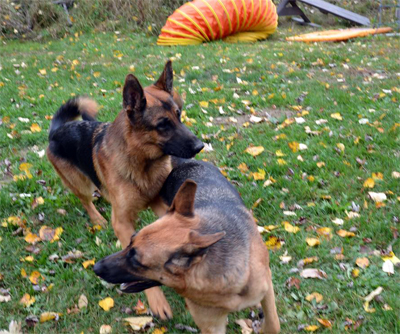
{"points": [[100, 220], [158, 303]]}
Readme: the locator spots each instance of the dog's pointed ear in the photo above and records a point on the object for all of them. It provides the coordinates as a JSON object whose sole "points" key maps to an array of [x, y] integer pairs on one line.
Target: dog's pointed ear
{"points": [[133, 96], [166, 79], [192, 252], [183, 202]]}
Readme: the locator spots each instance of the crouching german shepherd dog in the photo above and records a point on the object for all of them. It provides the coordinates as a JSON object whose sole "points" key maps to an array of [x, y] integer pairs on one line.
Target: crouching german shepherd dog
{"points": [[127, 160], [207, 247]]}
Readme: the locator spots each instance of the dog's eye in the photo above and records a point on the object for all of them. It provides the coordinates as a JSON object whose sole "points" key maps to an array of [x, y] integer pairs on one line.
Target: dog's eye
{"points": [[179, 113], [164, 124]]}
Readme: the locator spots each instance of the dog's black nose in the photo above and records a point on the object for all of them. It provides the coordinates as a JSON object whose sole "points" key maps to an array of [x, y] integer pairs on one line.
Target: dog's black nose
{"points": [[198, 146]]}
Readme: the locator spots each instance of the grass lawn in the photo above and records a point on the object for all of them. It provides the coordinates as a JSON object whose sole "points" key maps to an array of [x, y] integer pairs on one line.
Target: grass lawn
{"points": [[330, 129]]}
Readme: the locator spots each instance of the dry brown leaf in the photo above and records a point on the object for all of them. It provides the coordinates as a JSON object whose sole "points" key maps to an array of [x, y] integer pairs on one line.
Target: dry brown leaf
{"points": [[245, 326], [83, 301], [48, 234], [313, 273]]}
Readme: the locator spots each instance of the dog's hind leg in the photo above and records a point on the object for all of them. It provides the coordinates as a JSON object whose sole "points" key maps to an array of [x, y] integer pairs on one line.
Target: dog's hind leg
{"points": [[211, 320], [271, 320], [79, 184]]}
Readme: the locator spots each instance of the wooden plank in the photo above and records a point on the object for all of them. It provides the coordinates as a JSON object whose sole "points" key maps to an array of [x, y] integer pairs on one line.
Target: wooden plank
{"points": [[338, 11]]}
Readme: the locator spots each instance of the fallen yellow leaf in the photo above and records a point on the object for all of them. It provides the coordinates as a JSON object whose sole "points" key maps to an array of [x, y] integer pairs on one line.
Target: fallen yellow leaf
{"points": [[43, 71], [27, 300], [254, 150], [325, 231], [325, 322], [35, 127], [96, 74], [35, 277], [337, 116], [315, 295], [32, 238], [203, 104], [88, 263], [362, 262], [369, 183], [260, 175], [47, 316], [290, 228], [273, 243], [344, 233], [312, 328], [107, 303], [294, 146], [243, 168], [312, 242], [48, 234]]}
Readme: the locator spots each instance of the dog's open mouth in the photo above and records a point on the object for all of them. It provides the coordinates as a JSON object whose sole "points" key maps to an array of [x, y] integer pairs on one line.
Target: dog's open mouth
{"points": [[138, 286]]}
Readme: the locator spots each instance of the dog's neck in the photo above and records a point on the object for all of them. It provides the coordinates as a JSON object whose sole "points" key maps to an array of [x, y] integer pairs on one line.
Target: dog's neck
{"points": [[147, 171]]}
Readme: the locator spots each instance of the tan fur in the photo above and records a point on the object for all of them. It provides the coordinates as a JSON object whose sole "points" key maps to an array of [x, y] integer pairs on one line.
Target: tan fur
{"points": [[87, 105], [209, 299], [132, 170]]}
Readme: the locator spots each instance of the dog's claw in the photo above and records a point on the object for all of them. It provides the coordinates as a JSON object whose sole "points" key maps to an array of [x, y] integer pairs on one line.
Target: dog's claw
{"points": [[158, 303]]}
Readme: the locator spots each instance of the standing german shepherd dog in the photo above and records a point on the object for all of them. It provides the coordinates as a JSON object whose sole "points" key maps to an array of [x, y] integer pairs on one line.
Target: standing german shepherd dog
{"points": [[127, 160], [207, 248]]}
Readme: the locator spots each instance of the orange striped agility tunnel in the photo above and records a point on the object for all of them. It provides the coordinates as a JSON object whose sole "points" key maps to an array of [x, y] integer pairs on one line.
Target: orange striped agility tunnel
{"points": [[201, 21]]}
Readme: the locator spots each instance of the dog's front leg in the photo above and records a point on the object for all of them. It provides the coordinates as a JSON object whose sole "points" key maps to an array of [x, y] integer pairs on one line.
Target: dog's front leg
{"points": [[209, 319], [123, 217], [271, 323]]}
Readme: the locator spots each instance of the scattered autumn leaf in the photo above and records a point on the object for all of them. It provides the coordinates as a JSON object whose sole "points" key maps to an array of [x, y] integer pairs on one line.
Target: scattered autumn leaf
{"points": [[32, 238], [311, 328], [312, 242], [138, 323], [83, 301], [362, 262], [254, 150], [325, 322], [107, 303], [290, 228], [369, 183], [105, 329], [35, 127], [344, 234], [35, 277], [88, 263], [313, 273], [48, 234], [47, 316], [27, 300], [377, 197], [315, 295], [337, 116]]}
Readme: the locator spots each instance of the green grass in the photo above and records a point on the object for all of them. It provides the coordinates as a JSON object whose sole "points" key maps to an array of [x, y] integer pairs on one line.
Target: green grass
{"points": [[346, 78]]}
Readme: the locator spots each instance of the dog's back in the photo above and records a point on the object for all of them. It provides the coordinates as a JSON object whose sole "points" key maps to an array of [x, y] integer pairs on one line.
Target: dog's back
{"points": [[220, 207]]}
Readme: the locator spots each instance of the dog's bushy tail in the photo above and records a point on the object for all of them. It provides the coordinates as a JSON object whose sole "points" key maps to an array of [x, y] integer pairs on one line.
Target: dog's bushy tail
{"points": [[71, 110]]}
